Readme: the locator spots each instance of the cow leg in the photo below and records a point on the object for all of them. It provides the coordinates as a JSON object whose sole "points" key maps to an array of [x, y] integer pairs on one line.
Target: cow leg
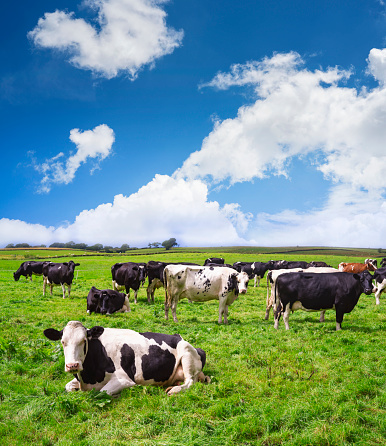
{"points": [[339, 319], [286, 316], [74, 384], [135, 296], [277, 315], [322, 313], [126, 305], [44, 285], [222, 311], [269, 305], [69, 289], [116, 385], [64, 290], [51, 287], [174, 310]]}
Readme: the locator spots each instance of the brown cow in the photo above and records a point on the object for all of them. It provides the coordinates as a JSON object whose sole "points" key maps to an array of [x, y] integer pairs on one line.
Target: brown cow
{"points": [[355, 267]]}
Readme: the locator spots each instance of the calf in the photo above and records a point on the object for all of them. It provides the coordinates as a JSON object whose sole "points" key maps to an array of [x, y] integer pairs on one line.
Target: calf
{"points": [[203, 283], [316, 292], [58, 274], [106, 301], [28, 268], [112, 359], [128, 275]]}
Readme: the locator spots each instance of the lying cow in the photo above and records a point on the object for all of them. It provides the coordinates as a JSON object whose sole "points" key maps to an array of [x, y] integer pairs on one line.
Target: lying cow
{"points": [[28, 268], [106, 301], [203, 283], [380, 279], [58, 274], [356, 267], [319, 292], [112, 359]]}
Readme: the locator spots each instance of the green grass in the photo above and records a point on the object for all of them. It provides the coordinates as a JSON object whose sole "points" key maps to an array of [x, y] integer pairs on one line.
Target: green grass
{"points": [[307, 386]]}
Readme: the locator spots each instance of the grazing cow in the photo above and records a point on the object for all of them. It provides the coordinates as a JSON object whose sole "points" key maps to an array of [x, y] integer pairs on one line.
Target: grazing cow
{"points": [[319, 292], [28, 268], [155, 273], [106, 301], [273, 275], [355, 267], [58, 274], [112, 359], [128, 275], [218, 260], [380, 279], [203, 283]]}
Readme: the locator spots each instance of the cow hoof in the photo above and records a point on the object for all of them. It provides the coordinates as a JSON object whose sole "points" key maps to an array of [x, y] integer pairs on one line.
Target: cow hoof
{"points": [[173, 390]]}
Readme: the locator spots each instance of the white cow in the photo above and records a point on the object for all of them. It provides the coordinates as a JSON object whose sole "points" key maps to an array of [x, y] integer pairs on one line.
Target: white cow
{"points": [[273, 275], [203, 283], [112, 359]]}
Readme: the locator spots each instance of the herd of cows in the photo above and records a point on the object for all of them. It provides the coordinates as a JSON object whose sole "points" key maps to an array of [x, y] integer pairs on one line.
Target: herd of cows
{"points": [[113, 359]]}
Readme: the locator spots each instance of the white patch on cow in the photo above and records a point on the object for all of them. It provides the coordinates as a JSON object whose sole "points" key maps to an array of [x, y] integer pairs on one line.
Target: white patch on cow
{"points": [[379, 290]]}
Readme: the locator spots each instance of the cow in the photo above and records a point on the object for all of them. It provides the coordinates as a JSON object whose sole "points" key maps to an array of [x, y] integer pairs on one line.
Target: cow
{"points": [[355, 267], [255, 270], [58, 274], [112, 359], [203, 283], [106, 301], [373, 262], [218, 260], [319, 292], [383, 262], [315, 264], [28, 268], [155, 274], [380, 279], [128, 275], [290, 264], [276, 264], [273, 275]]}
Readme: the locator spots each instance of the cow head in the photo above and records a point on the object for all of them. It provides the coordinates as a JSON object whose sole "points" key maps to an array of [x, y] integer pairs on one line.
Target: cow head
{"points": [[142, 274], [110, 302], [16, 276], [74, 337], [366, 280], [238, 282]]}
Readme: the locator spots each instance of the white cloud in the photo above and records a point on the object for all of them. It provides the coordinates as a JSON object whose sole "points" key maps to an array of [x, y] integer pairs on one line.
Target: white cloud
{"points": [[377, 64], [128, 35], [91, 144], [164, 208]]}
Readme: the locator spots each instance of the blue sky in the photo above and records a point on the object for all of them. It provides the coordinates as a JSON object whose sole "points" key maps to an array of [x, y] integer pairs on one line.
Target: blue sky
{"points": [[218, 123]]}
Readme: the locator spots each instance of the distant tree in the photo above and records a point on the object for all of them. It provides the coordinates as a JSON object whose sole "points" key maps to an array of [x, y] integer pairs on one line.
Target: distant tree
{"points": [[108, 249], [96, 247], [57, 245], [154, 245], [22, 245], [69, 244], [168, 244], [10, 245], [80, 246], [125, 247]]}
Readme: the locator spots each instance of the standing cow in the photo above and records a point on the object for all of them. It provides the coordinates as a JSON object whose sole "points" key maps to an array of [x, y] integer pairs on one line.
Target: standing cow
{"points": [[58, 274], [316, 292], [112, 359], [128, 275], [203, 283]]}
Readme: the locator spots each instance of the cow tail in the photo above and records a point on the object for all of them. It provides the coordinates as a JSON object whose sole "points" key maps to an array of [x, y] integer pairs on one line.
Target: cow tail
{"points": [[277, 308], [167, 295]]}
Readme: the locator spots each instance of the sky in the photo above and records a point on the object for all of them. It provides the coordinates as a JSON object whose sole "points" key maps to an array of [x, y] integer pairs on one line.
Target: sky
{"points": [[216, 123]]}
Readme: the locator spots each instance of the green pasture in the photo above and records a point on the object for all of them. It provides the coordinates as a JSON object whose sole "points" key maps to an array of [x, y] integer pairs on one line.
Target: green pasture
{"points": [[307, 386]]}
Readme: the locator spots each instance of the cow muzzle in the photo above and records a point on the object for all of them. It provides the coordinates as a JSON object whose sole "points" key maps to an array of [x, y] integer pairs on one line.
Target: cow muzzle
{"points": [[73, 367], [368, 291]]}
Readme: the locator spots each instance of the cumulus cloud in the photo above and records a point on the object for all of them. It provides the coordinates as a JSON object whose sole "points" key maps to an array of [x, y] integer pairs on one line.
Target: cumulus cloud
{"points": [[127, 35], [164, 208], [93, 144], [377, 64]]}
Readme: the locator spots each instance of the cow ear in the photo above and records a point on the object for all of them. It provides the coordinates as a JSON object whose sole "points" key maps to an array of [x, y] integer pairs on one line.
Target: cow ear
{"points": [[52, 334], [95, 332], [356, 276], [77, 264]]}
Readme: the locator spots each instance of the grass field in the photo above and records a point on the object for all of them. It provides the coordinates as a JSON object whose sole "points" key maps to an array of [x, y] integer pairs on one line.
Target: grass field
{"points": [[310, 385]]}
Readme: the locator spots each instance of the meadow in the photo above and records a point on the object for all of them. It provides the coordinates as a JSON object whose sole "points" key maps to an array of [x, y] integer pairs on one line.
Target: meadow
{"points": [[307, 386]]}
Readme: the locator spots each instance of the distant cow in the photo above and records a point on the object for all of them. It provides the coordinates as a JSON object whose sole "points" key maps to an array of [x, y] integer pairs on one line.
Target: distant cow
{"points": [[380, 279], [203, 283], [255, 270], [314, 264], [128, 275], [28, 268], [58, 274], [218, 260], [112, 359], [355, 267], [316, 292], [273, 275], [106, 301]]}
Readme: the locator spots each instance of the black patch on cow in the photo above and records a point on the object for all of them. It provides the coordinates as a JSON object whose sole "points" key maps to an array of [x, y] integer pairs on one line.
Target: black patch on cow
{"points": [[158, 364], [170, 340], [128, 361], [96, 364], [202, 355], [233, 284]]}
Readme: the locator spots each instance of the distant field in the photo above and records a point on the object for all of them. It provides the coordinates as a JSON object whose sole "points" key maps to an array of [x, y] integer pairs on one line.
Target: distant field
{"points": [[307, 386]]}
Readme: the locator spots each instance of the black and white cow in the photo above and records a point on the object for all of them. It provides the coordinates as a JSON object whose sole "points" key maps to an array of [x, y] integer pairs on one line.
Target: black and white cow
{"points": [[203, 283], [380, 279], [255, 270], [383, 262], [58, 274], [128, 275], [372, 262], [218, 260], [112, 359], [319, 292], [28, 268], [106, 301], [315, 264]]}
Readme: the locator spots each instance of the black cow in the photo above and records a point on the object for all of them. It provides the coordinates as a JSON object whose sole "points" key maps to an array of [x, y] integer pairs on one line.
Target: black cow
{"points": [[106, 301], [218, 260], [58, 274], [128, 275], [259, 269], [28, 268], [318, 292]]}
